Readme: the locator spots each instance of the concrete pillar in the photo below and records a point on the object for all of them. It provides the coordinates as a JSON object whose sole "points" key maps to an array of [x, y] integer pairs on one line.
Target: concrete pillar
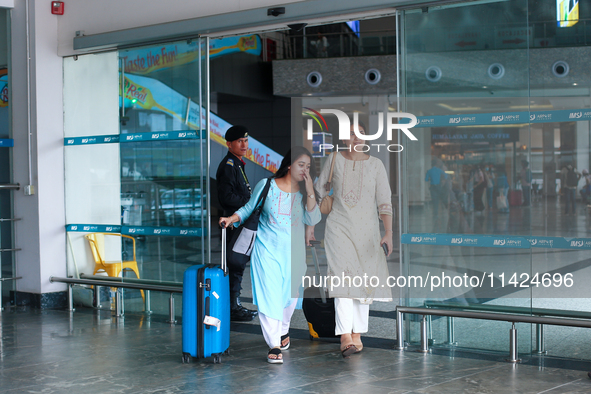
{"points": [[41, 233], [549, 162]]}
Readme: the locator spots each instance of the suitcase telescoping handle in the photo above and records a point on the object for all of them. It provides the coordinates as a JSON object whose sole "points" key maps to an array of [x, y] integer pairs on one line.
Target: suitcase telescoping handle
{"points": [[315, 259], [224, 261]]}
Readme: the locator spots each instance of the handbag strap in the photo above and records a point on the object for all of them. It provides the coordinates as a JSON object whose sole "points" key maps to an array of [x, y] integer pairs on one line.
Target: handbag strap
{"points": [[327, 186], [263, 196]]}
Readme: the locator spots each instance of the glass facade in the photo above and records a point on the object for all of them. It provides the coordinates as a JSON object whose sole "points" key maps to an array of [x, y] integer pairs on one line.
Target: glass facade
{"points": [[502, 155], [501, 93], [137, 163]]}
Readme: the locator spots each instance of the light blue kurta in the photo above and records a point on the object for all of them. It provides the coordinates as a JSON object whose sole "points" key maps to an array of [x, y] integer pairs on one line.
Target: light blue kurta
{"points": [[279, 252]]}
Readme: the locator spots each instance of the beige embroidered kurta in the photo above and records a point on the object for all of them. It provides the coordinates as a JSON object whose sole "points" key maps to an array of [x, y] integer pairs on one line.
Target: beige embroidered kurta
{"points": [[352, 237]]}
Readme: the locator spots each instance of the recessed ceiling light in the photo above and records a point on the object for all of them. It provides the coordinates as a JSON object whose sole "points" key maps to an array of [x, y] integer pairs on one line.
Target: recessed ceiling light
{"points": [[575, 84], [484, 87]]}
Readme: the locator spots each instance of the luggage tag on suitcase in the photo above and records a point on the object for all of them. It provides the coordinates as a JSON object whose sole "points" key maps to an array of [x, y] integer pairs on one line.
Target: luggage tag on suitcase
{"points": [[212, 321]]}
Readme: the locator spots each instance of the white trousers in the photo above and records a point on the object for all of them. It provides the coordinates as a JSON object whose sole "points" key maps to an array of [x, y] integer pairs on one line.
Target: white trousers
{"points": [[273, 329], [351, 316]]}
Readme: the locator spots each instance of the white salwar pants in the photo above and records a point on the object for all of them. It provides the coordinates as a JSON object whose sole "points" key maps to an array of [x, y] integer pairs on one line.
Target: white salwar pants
{"points": [[273, 329], [351, 316]]}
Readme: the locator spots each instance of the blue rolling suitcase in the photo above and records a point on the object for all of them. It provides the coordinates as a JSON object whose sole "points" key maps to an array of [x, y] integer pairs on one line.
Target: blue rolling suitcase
{"points": [[206, 310]]}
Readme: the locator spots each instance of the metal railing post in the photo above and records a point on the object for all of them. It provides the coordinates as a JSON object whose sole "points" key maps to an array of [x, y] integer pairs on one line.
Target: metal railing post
{"points": [[70, 298], [424, 340], [540, 342], [399, 331], [118, 304], [148, 302], [1, 304], [451, 340], [513, 351], [97, 296], [171, 318]]}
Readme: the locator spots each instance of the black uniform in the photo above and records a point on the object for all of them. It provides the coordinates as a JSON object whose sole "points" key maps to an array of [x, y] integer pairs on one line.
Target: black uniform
{"points": [[234, 191]]}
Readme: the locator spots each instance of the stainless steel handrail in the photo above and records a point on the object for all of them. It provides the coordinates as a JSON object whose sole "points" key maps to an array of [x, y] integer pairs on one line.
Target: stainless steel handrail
{"points": [[119, 298], [10, 220], [7, 279], [126, 285], [510, 309], [132, 280], [11, 186], [511, 318]]}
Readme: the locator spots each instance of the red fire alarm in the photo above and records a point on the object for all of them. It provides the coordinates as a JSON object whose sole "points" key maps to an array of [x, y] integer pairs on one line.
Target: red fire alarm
{"points": [[57, 7]]}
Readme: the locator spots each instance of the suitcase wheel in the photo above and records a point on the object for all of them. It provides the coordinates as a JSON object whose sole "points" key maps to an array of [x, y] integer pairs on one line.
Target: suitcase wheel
{"points": [[217, 358], [186, 358], [227, 352]]}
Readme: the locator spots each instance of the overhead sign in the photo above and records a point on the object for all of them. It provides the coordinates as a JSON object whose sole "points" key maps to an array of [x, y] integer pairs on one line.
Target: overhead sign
{"points": [[146, 60], [456, 40], [513, 37], [152, 94], [4, 87], [567, 12], [473, 136]]}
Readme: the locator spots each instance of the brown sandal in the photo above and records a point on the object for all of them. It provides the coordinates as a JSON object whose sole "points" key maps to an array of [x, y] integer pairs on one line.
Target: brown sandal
{"points": [[348, 350]]}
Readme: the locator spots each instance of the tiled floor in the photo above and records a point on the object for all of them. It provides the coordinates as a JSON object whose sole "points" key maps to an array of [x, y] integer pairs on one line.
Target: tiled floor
{"points": [[91, 352]]}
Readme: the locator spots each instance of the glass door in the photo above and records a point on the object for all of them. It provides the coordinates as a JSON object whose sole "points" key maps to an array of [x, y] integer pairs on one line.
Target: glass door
{"points": [[137, 167]]}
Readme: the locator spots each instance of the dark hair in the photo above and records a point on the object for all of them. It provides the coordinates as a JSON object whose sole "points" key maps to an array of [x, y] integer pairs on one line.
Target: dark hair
{"points": [[290, 157]]}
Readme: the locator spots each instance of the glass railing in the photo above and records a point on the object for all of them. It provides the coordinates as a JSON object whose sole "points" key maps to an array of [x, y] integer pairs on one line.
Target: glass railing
{"points": [[543, 34]]}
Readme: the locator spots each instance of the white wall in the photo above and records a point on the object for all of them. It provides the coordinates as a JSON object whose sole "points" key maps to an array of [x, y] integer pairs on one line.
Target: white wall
{"points": [[110, 15]]}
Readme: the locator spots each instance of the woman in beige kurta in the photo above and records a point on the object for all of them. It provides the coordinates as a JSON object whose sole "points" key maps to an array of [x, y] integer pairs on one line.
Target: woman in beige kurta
{"points": [[353, 241]]}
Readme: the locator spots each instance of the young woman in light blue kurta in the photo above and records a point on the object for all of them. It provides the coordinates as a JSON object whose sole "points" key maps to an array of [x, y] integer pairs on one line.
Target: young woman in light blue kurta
{"points": [[279, 252]]}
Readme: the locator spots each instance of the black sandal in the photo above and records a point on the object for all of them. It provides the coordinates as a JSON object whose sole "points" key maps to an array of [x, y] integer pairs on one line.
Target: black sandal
{"points": [[283, 338], [278, 357]]}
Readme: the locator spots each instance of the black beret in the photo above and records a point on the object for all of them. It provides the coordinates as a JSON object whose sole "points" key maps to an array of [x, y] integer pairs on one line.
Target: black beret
{"points": [[236, 132]]}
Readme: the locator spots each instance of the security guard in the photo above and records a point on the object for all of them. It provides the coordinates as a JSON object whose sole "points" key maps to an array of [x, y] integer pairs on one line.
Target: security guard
{"points": [[234, 191]]}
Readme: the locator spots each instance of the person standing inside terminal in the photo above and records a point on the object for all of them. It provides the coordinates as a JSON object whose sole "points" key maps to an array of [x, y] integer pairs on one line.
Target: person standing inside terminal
{"points": [[572, 182], [436, 178], [526, 178], [234, 191]]}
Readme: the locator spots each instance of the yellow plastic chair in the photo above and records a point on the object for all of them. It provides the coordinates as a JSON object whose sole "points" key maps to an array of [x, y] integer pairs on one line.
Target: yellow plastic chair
{"points": [[112, 268]]}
